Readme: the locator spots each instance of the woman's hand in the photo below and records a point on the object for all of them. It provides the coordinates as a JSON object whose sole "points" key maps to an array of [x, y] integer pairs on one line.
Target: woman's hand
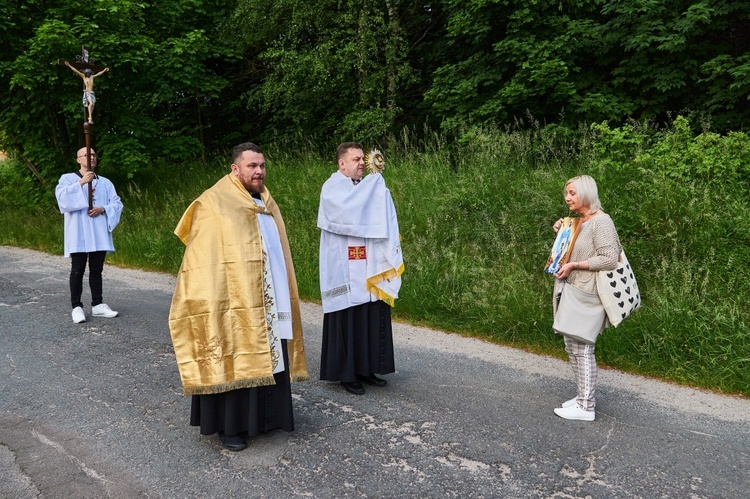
{"points": [[557, 225], [565, 270]]}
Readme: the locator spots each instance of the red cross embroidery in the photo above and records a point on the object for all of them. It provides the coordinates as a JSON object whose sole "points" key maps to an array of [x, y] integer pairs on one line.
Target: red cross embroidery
{"points": [[357, 253]]}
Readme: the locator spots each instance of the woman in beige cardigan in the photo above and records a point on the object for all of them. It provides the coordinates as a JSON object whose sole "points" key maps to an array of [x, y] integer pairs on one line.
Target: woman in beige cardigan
{"points": [[579, 314]]}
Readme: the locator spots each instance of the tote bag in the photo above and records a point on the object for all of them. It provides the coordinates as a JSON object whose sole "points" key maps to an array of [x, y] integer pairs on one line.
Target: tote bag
{"points": [[618, 290]]}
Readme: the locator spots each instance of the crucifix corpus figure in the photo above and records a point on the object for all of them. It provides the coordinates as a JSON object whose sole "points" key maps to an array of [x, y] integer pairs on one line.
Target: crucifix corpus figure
{"points": [[89, 98]]}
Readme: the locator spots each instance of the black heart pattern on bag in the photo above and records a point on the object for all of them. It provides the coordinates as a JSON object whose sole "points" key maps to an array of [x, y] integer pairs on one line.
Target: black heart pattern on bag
{"points": [[625, 295], [624, 284]]}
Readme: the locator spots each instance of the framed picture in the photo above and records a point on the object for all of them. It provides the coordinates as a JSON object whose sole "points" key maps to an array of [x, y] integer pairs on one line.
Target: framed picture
{"points": [[563, 244]]}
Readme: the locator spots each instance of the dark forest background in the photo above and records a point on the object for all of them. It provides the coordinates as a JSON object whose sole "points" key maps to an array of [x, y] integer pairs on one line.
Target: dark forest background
{"points": [[193, 77]]}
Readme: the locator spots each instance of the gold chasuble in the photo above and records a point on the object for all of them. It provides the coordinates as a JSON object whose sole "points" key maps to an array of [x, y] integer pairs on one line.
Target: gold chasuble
{"points": [[218, 319]]}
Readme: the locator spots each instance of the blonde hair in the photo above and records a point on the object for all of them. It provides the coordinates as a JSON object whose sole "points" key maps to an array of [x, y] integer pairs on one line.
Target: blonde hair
{"points": [[588, 194]]}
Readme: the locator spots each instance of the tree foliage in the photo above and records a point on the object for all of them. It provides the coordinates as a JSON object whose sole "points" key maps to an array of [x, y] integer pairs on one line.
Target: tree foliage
{"points": [[196, 76], [355, 71], [592, 60], [165, 76]]}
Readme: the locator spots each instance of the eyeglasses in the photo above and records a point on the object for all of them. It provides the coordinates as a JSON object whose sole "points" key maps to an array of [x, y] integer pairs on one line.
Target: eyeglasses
{"points": [[93, 155]]}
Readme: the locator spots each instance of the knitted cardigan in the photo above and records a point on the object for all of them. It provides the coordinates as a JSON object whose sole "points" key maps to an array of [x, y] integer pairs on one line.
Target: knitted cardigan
{"points": [[598, 243]]}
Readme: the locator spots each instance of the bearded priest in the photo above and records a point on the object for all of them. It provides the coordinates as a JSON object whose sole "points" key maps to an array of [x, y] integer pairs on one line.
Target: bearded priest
{"points": [[235, 317]]}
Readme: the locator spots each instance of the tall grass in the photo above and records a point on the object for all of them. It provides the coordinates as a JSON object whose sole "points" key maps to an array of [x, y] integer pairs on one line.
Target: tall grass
{"points": [[475, 218]]}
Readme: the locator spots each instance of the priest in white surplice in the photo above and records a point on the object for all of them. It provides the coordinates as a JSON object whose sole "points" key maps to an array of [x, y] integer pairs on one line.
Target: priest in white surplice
{"points": [[360, 273]]}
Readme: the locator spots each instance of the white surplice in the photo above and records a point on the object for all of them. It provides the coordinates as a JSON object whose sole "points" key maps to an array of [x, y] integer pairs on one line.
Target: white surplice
{"points": [[360, 247], [85, 234]]}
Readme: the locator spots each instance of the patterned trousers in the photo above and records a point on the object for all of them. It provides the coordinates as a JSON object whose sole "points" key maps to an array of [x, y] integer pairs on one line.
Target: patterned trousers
{"points": [[583, 362]]}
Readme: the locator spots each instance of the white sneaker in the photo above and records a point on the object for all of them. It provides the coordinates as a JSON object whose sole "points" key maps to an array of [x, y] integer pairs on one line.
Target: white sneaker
{"points": [[78, 315], [569, 403], [575, 413], [103, 310]]}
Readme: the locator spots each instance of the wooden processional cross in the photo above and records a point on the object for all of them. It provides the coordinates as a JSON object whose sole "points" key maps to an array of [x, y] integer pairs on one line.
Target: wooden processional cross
{"points": [[86, 67]]}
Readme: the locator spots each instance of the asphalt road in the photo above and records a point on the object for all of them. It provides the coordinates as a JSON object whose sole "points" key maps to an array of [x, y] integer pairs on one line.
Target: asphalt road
{"points": [[95, 410]]}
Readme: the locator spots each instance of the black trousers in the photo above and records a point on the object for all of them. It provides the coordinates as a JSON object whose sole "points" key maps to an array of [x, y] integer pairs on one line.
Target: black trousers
{"points": [[77, 269]]}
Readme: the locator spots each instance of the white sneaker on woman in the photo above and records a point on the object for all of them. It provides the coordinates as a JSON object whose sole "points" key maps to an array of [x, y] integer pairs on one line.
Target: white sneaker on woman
{"points": [[78, 315], [103, 310], [575, 413]]}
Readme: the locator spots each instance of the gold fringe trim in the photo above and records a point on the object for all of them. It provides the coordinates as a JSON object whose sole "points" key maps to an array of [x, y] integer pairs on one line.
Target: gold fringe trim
{"points": [[236, 385], [226, 387], [383, 296], [384, 276]]}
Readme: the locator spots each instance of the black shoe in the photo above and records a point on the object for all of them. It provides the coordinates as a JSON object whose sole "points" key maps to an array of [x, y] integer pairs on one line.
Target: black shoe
{"points": [[235, 443], [354, 388], [373, 380]]}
